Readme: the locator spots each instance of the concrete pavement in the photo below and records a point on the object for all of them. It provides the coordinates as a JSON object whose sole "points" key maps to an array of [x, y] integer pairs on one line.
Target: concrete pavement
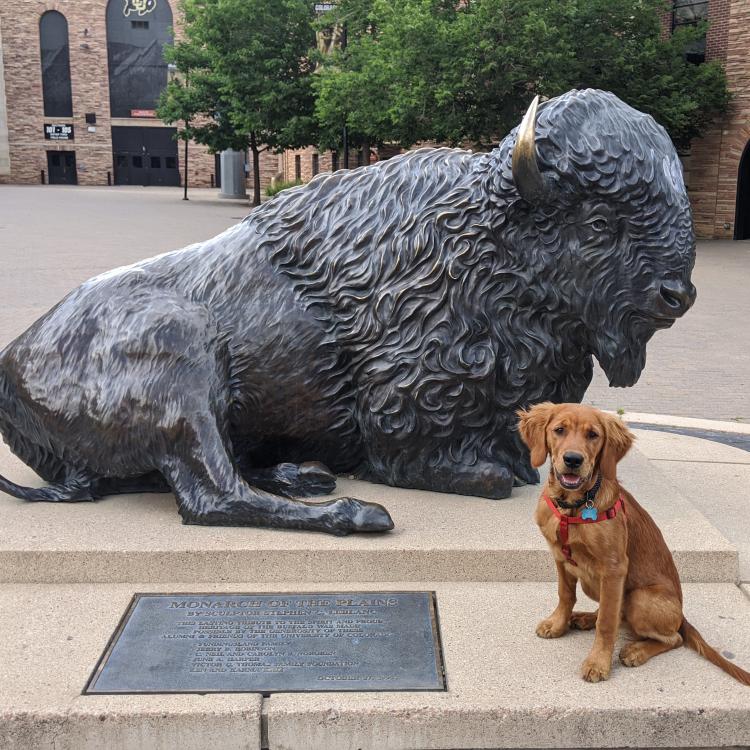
{"points": [[68, 571]]}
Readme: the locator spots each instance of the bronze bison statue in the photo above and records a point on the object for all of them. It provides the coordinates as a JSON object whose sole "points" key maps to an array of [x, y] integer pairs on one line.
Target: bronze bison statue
{"points": [[387, 321]]}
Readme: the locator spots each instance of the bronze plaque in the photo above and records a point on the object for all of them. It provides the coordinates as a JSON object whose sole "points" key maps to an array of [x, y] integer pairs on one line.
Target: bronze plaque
{"points": [[266, 643]]}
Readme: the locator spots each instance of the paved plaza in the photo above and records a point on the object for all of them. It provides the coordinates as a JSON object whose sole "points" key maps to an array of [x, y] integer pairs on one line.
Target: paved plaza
{"points": [[53, 238], [66, 564]]}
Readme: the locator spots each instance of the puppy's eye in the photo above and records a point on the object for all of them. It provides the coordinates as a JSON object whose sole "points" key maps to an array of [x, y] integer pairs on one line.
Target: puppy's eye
{"points": [[592, 435], [598, 225], [559, 430]]}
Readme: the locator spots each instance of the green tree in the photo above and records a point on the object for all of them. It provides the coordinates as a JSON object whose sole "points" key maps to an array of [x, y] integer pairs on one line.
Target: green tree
{"points": [[434, 70], [390, 82], [244, 76]]}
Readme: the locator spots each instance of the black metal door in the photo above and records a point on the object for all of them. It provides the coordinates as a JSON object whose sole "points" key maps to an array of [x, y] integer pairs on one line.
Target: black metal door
{"points": [[61, 168], [145, 156]]}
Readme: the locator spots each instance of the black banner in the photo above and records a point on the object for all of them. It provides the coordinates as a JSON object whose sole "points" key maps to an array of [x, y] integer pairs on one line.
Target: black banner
{"points": [[58, 132]]}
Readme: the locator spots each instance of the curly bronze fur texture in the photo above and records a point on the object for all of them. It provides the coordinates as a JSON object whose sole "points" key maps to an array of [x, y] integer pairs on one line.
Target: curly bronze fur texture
{"points": [[388, 320]]}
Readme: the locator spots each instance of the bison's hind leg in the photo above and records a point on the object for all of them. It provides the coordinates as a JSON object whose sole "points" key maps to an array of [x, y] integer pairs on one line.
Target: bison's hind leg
{"points": [[292, 480]]}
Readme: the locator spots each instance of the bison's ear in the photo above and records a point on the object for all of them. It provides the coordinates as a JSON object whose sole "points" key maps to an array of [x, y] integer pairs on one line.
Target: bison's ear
{"points": [[532, 425], [617, 441]]}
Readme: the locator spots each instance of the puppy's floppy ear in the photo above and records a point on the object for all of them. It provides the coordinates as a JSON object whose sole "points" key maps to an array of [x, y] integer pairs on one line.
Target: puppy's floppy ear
{"points": [[532, 424], [617, 441]]}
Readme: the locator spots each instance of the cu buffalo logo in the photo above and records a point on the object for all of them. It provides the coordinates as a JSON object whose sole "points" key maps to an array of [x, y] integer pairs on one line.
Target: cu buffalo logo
{"points": [[141, 7]]}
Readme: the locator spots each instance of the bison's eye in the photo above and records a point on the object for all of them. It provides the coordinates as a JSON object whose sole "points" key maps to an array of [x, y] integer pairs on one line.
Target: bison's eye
{"points": [[592, 435], [559, 430], [598, 225]]}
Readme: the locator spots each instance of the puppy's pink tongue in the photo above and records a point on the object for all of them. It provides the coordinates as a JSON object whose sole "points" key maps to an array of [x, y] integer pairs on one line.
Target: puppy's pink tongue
{"points": [[571, 478]]}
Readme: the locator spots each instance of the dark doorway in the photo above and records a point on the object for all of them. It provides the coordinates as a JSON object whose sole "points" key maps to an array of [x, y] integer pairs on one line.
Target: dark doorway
{"points": [[61, 168], [742, 215], [217, 169], [145, 156]]}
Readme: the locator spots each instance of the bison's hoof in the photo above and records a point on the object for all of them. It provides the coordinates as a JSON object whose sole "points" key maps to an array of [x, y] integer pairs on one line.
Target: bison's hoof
{"points": [[315, 478], [357, 515], [493, 481]]}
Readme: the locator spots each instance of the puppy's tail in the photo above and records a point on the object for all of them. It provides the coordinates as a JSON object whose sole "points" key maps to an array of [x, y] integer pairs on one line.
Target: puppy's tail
{"points": [[694, 640]]}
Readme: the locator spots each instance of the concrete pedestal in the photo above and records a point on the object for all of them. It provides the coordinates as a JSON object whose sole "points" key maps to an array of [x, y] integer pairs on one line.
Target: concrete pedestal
{"points": [[68, 571]]}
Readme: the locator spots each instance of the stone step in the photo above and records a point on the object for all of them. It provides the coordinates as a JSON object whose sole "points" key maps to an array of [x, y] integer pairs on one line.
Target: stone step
{"points": [[506, 687], [438, 537]]}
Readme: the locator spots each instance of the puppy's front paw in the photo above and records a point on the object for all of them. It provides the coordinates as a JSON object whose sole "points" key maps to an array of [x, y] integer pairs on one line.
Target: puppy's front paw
{"points": [[596, 669], [551, 628], [583, 620]]}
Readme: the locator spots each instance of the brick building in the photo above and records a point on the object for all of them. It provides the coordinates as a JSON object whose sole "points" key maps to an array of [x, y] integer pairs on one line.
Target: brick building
{"points": [[717, 168], [79, 81]]}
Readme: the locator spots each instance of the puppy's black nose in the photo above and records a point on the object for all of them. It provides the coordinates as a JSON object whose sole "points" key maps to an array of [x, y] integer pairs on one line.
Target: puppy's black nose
{"points": [[573, 460]]}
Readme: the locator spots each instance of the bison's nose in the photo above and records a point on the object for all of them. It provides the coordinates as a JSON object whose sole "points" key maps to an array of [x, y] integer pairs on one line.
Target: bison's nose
{"points": [[677, 296], [573, 460]]}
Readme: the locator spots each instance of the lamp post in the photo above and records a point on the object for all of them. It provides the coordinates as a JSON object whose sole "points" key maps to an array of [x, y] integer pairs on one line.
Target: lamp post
{"points": [[184, 192], [172, 71]]}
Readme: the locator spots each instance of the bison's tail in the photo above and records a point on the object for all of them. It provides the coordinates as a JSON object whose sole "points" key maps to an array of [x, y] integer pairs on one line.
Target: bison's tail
{"points": [[694, 640], [6, 403], [23, 493]]}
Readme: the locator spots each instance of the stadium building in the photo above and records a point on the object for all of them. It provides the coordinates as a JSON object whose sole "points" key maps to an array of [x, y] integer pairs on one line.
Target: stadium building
{"points": [[79, 82]]}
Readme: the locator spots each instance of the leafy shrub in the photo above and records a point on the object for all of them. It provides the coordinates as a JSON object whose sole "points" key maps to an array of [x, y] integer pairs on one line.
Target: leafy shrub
{"points": [[271, 190]]}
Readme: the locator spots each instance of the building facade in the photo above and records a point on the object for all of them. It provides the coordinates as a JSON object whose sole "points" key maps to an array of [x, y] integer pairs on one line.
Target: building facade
{"points": [[79, 83], [717, 169]]}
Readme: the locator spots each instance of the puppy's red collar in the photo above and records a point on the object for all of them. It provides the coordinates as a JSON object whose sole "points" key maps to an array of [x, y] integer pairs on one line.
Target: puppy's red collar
{"points": [[565, 520]]}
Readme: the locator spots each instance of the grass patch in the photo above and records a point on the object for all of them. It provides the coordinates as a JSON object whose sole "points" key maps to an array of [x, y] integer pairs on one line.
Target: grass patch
{"points": [[272, 190]]}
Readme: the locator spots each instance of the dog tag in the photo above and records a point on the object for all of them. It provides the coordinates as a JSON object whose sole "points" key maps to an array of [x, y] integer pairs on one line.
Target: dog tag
{"points": [[589, 514]]}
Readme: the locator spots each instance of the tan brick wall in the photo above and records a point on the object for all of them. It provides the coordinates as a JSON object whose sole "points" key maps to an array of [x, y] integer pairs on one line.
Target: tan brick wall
{"points": [[90, 87], [325, 160], [715, 158], [4, 144]]}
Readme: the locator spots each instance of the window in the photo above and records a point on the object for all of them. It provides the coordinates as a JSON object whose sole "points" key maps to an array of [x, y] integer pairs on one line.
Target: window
{"points": [[55, 54], [121, 161], [297, 167], [155, 162], [315, 164], [138, 162], [691, 13], [135, 54], [334, 160], [170, 162]]}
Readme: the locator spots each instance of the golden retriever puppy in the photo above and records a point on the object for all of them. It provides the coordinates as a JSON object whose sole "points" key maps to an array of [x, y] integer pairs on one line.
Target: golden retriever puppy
{"points": [[603, 539]]}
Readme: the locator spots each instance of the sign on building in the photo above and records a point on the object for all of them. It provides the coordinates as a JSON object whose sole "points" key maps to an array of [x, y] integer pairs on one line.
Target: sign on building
{"points": [[54, 132], [141, 7]]}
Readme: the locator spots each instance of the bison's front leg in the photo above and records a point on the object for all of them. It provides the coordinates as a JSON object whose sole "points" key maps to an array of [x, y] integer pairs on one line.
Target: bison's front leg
{"points": [[210, 491]]}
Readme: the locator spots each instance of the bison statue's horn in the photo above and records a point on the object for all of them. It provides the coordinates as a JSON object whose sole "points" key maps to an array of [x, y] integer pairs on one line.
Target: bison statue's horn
{"points": [[528, 179]]}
